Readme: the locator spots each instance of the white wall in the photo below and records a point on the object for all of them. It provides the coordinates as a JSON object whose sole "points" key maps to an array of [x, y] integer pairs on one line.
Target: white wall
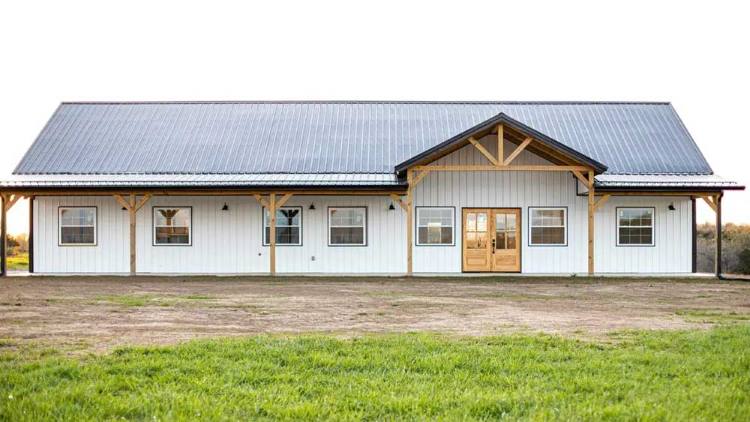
{"points": [[503, 189], [223, 241], [230, 241]]}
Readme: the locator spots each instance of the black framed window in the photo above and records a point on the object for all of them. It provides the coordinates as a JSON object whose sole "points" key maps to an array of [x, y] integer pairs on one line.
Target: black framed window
{"points": [[77, 226], [288, 226], [548, 226], [173, 226], [435, 225], [347, 226], [635, 226]]}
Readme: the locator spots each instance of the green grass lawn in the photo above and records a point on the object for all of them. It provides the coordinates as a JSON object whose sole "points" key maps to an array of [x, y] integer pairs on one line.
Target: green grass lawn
{"points": [[18, 262], [688, 375]]}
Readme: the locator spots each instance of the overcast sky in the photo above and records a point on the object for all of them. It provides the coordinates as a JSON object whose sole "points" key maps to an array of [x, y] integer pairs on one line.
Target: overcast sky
{"points": [[696, 57]]}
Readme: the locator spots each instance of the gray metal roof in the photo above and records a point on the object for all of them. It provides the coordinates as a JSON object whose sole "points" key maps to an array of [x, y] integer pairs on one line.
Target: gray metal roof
{"points": [[648, 181], [339, 137]]}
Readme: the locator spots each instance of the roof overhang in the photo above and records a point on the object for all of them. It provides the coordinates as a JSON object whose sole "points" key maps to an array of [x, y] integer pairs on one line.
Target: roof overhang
{"points": [[543, 146]]}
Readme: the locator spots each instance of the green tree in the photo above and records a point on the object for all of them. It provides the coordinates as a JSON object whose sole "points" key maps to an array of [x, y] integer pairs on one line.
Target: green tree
{"points": [[744, 262]]}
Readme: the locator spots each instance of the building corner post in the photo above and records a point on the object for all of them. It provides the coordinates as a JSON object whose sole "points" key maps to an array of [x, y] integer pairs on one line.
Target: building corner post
{"points": [[31, 234], [3, 235], [718, 266]]}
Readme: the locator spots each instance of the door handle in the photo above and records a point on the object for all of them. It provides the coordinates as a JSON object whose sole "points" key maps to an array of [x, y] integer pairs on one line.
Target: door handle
{"points": [[493, 246]]}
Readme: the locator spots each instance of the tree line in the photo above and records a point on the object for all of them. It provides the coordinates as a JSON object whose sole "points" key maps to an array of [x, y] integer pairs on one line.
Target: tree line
{"points": [[735, 250]]}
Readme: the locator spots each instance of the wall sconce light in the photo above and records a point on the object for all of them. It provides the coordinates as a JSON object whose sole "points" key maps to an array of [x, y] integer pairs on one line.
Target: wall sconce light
{"points": [[225, 207], [391, 207], [124, 209], [312, 207], [671, 207]]}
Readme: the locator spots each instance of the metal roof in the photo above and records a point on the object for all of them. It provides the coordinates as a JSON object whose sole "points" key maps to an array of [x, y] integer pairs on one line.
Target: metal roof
{"points": [[339, 137], [648, 181]]}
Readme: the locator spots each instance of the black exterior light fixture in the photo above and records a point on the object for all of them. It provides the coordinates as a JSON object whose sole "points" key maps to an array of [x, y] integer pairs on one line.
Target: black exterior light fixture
{"points": [[391, 207], [225, 207], [312, 207], [671, 207]]}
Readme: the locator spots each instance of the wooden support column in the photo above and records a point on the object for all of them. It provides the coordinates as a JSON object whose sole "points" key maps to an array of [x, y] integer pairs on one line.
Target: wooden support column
{"points": [[31, 234], [592, 208], [8, 200], [132, 206], [500, 145], [272, 234], [409, 218], [718, 267]]}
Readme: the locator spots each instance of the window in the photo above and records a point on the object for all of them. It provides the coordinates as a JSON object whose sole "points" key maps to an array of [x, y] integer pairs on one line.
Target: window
{"points": [[635, 226], [172, 226], [77, 226], [548, 226], [288, 226], [435, 226], [347, 226]]}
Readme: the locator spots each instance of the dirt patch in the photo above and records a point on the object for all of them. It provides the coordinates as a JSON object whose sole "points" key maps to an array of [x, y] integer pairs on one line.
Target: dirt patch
{"points": [[98, 313]]}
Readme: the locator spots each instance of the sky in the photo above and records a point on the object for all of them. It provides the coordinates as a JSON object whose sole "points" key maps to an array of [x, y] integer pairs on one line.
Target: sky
{"points": [[693, 54]]}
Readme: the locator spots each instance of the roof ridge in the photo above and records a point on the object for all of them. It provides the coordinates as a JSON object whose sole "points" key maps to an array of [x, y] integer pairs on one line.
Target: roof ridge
{"points": [[370, 102]]}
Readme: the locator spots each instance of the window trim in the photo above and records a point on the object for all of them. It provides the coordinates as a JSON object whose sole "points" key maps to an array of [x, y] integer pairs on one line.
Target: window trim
{"points": [[263, 227], [59, 226], [416, 227], [547, 245], [348, 245], [153, 226], [639, 245]]}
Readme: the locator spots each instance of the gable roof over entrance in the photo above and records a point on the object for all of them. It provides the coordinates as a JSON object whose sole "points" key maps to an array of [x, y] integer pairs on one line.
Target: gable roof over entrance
{"points": [[338, 137]]}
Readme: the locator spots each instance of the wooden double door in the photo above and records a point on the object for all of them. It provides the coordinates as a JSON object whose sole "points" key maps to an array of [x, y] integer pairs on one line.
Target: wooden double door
{"points": [[491, 240]]}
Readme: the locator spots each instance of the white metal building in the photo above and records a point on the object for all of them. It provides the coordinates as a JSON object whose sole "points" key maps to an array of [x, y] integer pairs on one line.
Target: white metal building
{"points": [[363, 188]]}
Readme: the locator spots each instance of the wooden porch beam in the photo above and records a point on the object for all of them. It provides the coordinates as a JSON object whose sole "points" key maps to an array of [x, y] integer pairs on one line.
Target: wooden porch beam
{"points": [[517, 151], [284, 199], [711, 201], [261, 200], [3, 235], [718, 267], [484, 151], [499, 168], [399, 201], [500, 144], [601, 202], [580, 177]]}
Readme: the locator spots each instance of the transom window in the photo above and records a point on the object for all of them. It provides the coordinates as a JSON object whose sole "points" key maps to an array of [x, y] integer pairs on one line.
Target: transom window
{"points": [[77, 226], [435, 225], [635, 226], [172, 226], [347, 226], [548, 227], [288, 226]]}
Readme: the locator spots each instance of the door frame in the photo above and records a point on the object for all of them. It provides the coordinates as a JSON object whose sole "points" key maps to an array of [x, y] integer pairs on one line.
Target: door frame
{"points": [[519, 234]]}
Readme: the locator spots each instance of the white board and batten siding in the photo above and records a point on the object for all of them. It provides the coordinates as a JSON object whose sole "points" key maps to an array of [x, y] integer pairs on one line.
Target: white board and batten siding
{"points": [[230, 242], [223, 242], [672, 252]]}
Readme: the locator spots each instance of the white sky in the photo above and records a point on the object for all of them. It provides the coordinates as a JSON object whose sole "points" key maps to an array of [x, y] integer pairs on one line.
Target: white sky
{"points": [[692, 54]]}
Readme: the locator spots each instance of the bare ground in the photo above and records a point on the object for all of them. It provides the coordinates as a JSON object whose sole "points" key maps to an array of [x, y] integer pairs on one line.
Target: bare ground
{"points": [[98, 313]]}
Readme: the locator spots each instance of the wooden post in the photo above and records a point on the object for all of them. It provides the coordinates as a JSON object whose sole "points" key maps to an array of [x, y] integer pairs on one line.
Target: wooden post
{"points": [[409, 218], [694, 236], [132, 214], [717, 200], [132, 206], [272, 234], [31, 234], [500, 145], [3, 235], [591, 222]]}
